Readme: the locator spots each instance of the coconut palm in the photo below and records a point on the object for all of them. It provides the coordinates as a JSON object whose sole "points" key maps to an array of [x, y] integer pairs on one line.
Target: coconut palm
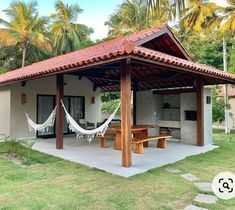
{"points": [[177, 6], [228, 23], [197, 13], [132, 16], [24, 28], [64, 31]]}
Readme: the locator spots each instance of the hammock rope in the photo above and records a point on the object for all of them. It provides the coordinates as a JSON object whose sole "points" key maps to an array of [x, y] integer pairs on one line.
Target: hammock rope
{"points": [[73, 125], [44, 126], [88, 134]]}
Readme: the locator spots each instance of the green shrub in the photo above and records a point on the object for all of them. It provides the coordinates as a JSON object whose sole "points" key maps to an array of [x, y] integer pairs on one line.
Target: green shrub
{"points": [[27, 152], [20, 149], [110, 106], [13, 147], [218, 106]]}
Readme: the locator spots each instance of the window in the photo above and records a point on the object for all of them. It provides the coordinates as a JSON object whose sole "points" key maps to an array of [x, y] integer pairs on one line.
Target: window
{"points": [[45, 105]]}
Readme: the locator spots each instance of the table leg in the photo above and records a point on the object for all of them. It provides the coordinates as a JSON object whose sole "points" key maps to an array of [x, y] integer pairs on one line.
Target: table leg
{"points": [[102, 142], [117, 142]]}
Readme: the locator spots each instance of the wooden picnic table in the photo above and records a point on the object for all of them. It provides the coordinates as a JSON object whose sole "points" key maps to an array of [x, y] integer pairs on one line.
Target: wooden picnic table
{"points": [[138, 131]]}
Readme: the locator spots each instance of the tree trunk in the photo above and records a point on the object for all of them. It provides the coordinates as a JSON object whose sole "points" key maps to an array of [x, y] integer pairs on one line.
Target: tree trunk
{"points": [[177, 12], [226, 111], [23, 57]]}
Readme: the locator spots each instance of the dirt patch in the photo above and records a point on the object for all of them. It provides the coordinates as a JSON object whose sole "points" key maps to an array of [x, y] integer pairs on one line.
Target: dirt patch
{"points": [[13, 158]]}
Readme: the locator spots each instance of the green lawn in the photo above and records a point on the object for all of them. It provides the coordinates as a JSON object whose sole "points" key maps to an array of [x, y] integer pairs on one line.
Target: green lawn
{"points": [[57, 184]]}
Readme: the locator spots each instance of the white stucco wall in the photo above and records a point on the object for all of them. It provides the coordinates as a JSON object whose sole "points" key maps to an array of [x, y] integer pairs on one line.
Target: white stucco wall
{"points": [[232, 110], [5, 100], [207, 118], [73, 87]]}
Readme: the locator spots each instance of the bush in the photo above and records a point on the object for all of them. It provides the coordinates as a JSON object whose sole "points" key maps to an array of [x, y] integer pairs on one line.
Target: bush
{"points": [[110, 106], [27, 152], [218, 106]]}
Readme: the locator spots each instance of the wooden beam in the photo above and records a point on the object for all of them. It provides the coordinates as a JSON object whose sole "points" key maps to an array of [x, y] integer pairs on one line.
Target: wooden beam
{"points": [[125, 83], [59, 111], [172, 91], [200, 113], [135, 88], [182, 69]]}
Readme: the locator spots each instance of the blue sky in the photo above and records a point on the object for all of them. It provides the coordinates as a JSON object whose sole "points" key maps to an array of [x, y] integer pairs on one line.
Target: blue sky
{"points": [[95, 12]]}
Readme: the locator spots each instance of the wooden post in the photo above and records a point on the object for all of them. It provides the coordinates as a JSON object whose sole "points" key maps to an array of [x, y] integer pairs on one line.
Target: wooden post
{"points": [[59, 111], [135, 87], [200, 113], [125, 81]]}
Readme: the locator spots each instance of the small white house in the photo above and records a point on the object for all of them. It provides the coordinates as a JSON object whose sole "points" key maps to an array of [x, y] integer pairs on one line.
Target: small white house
{"points": [[170, 91]]}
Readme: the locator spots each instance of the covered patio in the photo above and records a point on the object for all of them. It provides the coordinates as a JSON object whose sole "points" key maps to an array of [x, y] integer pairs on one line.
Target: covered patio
{"points": [[151, 60], [108, 159]]}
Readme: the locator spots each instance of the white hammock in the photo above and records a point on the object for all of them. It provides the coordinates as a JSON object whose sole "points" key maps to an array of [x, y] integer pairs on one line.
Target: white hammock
{"points": [[44, 126], [88, 134]]}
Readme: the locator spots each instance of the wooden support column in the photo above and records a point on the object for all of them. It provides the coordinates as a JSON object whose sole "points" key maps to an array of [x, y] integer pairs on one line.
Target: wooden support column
{"points": [[59, 111], [135, 87], [200, 113], [125, 81]]}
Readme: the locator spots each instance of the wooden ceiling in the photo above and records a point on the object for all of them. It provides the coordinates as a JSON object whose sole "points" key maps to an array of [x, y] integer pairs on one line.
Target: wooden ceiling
{"points": [[144, 77], [168, 45]]}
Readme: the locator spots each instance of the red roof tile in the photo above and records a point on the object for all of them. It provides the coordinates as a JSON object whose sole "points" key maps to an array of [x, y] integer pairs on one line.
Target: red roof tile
{"points": [[181, 63], [106, 51]]}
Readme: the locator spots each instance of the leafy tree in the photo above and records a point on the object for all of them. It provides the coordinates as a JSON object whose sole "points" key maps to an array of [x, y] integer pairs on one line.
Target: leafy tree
{"points": [[81, 45], [65, 33], [110, 101], [10, 58], [218, 106], [24, 29], [133, 16], [232, 58], [106, 97]]}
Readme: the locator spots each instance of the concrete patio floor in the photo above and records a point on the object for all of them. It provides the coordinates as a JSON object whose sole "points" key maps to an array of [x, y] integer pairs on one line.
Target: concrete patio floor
{"points": [[109, 160]]}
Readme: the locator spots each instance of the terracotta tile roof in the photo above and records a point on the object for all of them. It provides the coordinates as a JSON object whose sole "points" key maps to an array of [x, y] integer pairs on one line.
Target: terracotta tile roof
{"points": [[105, 52], [181, 63]]}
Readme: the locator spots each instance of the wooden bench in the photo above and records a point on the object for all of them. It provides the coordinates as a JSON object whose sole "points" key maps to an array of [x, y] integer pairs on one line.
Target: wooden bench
{"points": [[138, 144], [107, 135]]}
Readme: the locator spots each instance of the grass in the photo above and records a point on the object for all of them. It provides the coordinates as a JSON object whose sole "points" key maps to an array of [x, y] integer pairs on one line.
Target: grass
{"points": [[59, 184]]}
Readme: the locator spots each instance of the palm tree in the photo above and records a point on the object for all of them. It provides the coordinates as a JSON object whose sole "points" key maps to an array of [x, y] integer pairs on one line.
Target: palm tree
{"points": [[177, 6], [198, 14], [65, 32], [132, 16], [24, 28], [227, 28], [228, 23]]}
